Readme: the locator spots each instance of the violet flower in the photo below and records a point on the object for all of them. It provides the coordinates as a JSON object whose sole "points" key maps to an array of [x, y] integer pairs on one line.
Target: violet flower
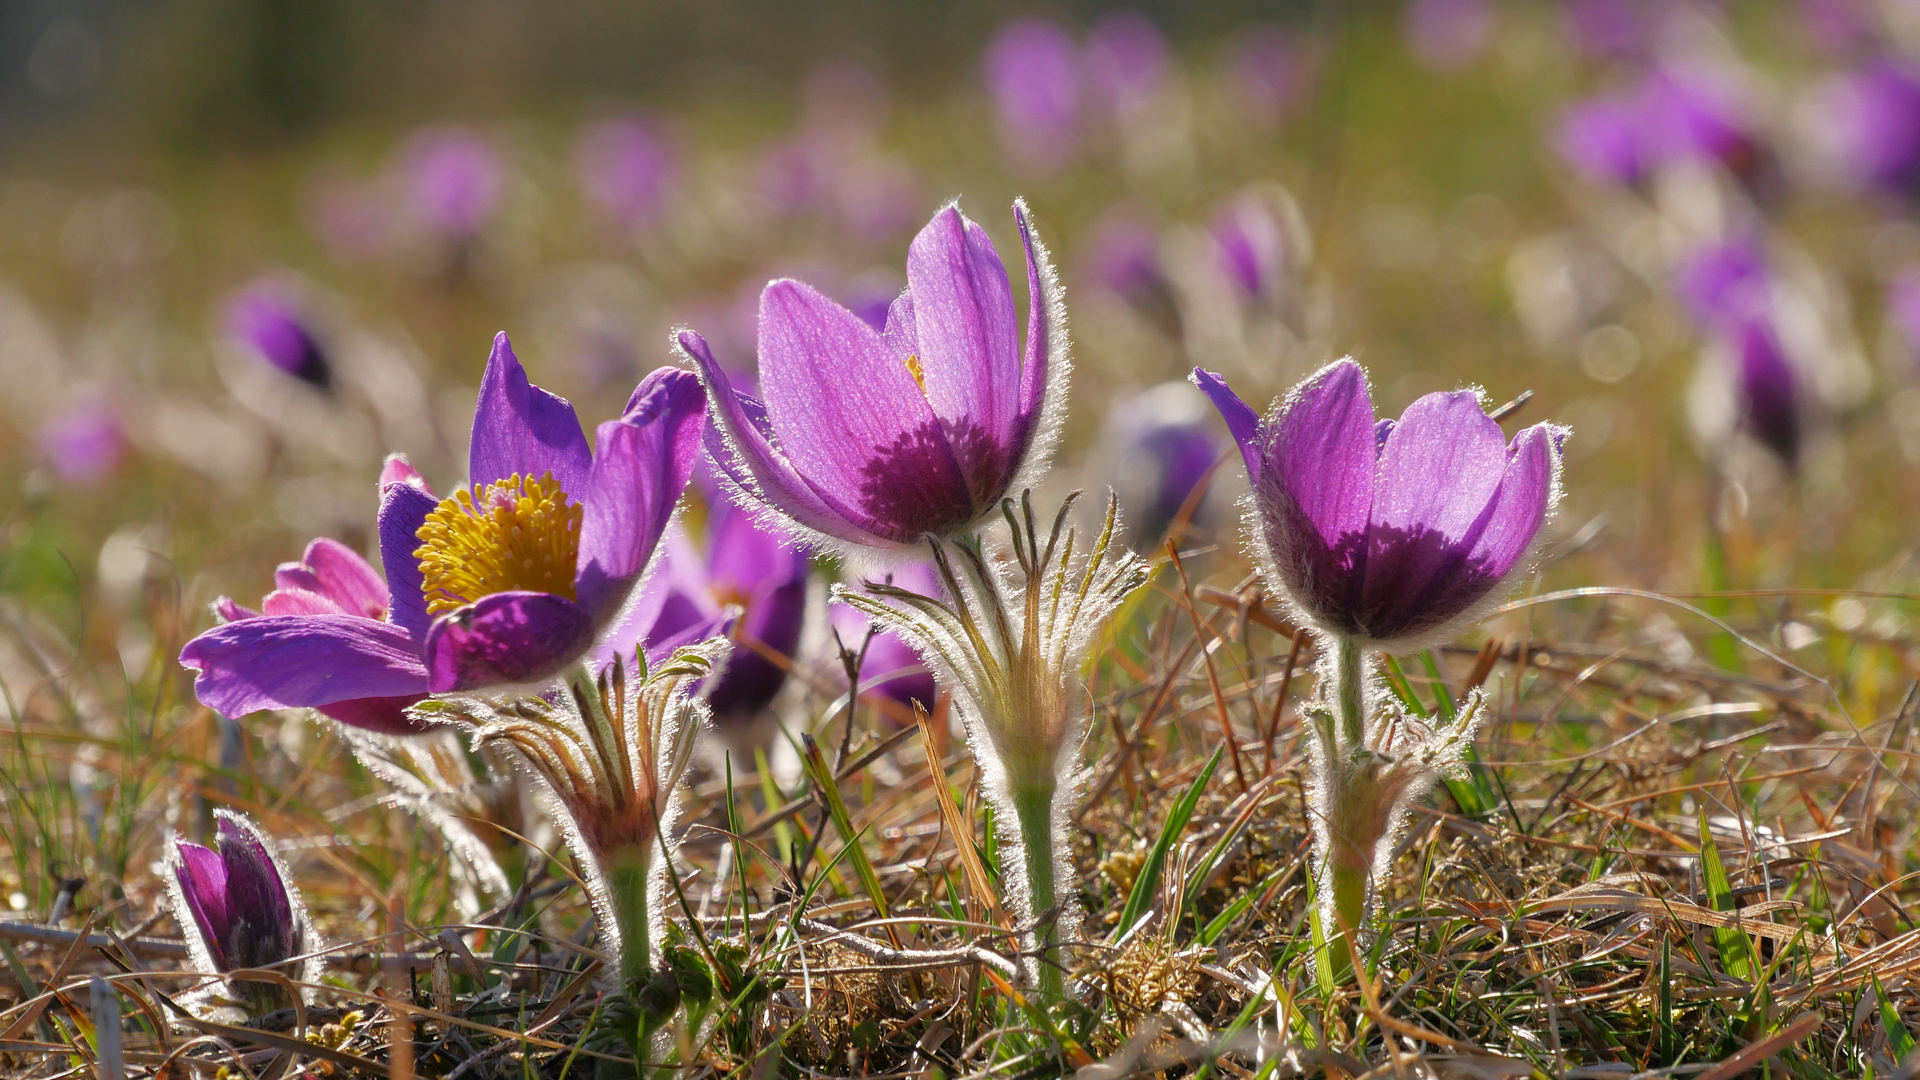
{"points": [[742, 565], [626, 167], [1602, 139], [454, 179], [1032, 69], [871, 441], [507, 582], [891, 667], [1125, 61], [85, 443], [1874, 121], [1123, 254], [1381, 535], [1160, 443], [266, 321], [1693, 115], [1724, 283], [238, 909], [1768, 391], [1251, 244], [1392, 533]]}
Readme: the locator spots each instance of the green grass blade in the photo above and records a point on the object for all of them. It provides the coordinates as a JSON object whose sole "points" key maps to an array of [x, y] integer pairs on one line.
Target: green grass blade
{"points": [[1148, 879], [822, 777], [1212, 931], [1732, 943]]}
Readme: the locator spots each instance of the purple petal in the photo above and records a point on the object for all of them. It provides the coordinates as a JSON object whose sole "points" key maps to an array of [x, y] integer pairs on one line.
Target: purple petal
{"points": [[968, 346], [1322, 447], [1520, 506], [1439, 471], [263, 933], [646, 458], [203, 882], [293, 575], [770, 577], [851, 418], [346, 578], [743, 424], [1036, 369], [380, 715], [1242, 422], [901, 329], [398, 470], [227, 609], [300, 661], [508, 637], [521, 429], [403, 509], [299, 602]]}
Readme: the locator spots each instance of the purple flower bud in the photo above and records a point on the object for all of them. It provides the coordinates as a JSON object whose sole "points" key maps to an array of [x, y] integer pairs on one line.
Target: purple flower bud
{"points": [[454, 178], [1267, 72], [1724, 283], [84, 443], [875, 440], [265, 320], [892, 668], [1252, 248], [1601, 138], [1160, 443], [1875, 126], [239, 911], [1126, 61], [1389, 533], [625, 167], [1768, 390], [1446, 35], [1032, 70]]}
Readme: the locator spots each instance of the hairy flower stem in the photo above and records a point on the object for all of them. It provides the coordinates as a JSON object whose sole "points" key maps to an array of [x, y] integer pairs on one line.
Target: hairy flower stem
{"points": [[629, 871], [1033, 806], [1346, 861]]}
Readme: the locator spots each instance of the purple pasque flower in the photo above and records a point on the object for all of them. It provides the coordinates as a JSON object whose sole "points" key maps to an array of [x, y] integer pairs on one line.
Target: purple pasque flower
{"points": [[1251, 245], [1033, 73], [265, 320], [742, 565], [626, 167], [1125, 61], [1767, 389], [891, 668], [1874, 125], [1381, 531], [1692, 114], [1160, 443], [874, 440], [238, 910], [505, 582], [84, 443], [454, 179], [1602, 139], [1123, 253], [1447, 34], [1724, 282]]}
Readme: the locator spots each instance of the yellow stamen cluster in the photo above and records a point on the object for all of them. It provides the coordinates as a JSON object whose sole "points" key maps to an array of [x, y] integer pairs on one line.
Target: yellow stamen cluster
{"points": [[919, 373], [514, 534]]}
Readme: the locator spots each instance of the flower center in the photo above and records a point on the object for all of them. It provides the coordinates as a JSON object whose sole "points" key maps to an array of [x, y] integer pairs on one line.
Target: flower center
{"points": [[919, 374], [515, 534]]}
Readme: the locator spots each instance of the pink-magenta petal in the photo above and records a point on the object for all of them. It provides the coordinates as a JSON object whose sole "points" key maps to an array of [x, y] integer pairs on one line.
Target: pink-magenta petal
{"points": [[346, 578], [300, 661], [505, 638], [520, 429], [398, 470], [380, 715], [299, 602]]}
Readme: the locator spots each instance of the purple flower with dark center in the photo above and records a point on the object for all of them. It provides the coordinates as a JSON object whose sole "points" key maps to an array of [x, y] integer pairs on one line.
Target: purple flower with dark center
{"points": [[1874, 115], [1126, 61], [265, 320], [1447, 34], [83, 444], [891, 669], [626, 167], [1694, 115], [239, 911], [1160, 444], [1032, 69], [1768, 392], [1267, 72], [875, 440], [455, 180], [508, 581], [1252, 248], [1602, 139], [743, 565], [1388, 533]]}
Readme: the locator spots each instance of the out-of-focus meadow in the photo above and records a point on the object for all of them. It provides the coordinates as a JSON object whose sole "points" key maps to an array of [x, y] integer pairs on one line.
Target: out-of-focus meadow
{"points": [[248, 249]]}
